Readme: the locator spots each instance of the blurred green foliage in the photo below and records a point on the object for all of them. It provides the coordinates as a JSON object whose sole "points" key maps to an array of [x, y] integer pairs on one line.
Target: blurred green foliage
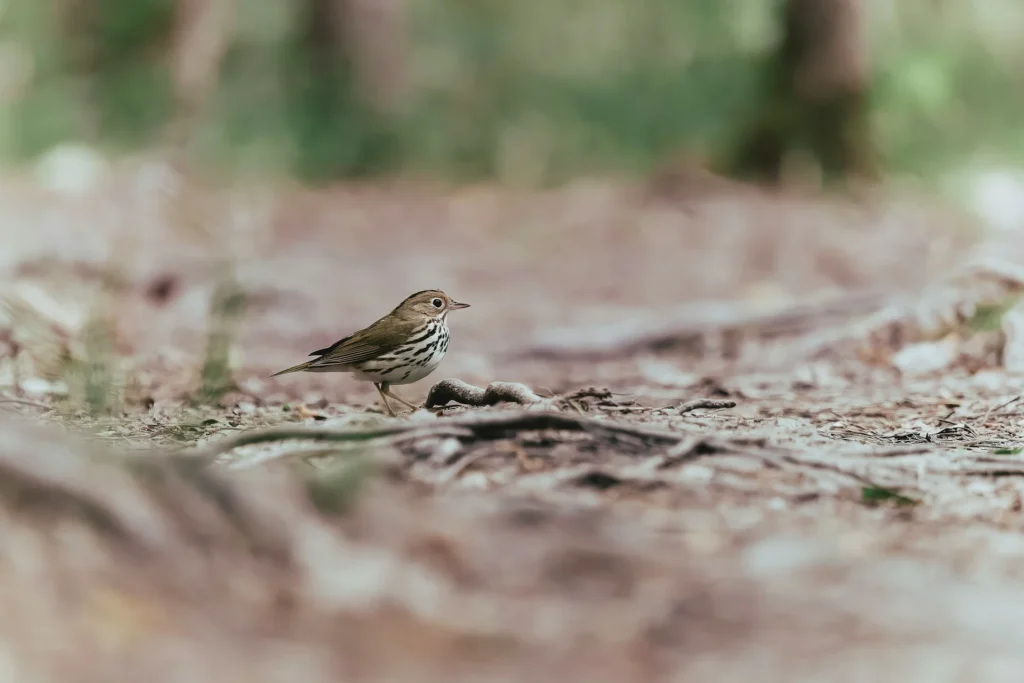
{"points": [[533, 90]]}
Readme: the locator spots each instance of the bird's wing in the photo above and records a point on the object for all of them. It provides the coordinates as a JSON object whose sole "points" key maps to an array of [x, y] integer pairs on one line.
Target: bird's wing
{"points": [[327, 349], [346, 352], [361, 346]]}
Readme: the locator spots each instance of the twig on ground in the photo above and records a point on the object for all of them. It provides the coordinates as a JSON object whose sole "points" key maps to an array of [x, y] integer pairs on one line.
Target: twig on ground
{"points": [[708, 403], [690, 448], [452, 473], [25, 402], [589, 392], [997, 408], [899, 451]]}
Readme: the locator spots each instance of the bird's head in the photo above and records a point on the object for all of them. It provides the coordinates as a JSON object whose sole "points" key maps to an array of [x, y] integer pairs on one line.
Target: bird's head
{"points": [[430, 303]]}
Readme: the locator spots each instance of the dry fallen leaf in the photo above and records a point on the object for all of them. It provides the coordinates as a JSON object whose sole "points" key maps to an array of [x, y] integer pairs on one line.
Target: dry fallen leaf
{"points": [[927, 357]]}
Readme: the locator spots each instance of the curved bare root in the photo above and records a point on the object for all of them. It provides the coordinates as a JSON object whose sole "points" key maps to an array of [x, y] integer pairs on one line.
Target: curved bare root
{"points": [[449, 390]]}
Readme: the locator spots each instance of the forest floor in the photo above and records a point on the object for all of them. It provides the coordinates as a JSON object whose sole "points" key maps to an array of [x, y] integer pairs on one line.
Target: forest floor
{"points": [[711, 482]]}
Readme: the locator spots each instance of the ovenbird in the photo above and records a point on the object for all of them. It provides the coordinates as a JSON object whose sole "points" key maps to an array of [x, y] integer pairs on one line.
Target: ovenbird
{"points": [[401, 348]]}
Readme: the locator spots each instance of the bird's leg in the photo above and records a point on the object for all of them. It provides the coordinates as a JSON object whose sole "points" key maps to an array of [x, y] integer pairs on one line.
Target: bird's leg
{"points": [[398, 398], [382, 390]]}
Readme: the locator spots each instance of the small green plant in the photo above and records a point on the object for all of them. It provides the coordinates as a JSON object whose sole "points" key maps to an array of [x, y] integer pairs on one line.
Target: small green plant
{"points": [[92, 369], [989, 317], [227, 309], [1008, 451], [877, 495], [334, 489]]}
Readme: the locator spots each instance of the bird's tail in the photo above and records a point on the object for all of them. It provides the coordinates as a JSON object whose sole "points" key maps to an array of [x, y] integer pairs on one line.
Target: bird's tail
{"points": [[295, 368]]}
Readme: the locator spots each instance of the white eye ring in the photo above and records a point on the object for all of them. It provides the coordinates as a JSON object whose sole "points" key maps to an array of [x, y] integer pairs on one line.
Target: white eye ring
{"points": [[437, 303]]}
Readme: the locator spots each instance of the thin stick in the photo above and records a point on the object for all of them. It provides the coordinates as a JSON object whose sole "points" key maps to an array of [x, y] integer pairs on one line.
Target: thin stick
{"points": [[26, 402], [999, 407]]}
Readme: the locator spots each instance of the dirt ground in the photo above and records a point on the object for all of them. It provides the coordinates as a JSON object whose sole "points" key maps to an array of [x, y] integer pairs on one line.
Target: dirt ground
{"points": [[823, 517]]}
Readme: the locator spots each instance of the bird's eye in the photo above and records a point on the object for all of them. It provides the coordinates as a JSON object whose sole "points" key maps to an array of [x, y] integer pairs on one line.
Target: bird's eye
{"points": [[437, 303]]}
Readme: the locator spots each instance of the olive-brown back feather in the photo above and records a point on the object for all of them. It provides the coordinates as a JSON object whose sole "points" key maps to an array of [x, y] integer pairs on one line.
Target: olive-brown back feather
{"points": [[385, 335]]}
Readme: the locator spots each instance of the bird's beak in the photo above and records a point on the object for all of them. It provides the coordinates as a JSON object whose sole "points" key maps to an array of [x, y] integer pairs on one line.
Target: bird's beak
{"points": [[455, 304]]}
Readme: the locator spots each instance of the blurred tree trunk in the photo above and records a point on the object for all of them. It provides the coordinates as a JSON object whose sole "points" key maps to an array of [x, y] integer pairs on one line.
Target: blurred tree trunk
{"points": [[341, 87], [816, 99], [202, 34], [379, 33]]}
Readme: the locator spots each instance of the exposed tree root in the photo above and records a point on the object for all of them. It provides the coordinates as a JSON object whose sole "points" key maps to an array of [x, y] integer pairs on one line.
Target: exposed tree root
{"points": [[448, 390], [467, 427]]}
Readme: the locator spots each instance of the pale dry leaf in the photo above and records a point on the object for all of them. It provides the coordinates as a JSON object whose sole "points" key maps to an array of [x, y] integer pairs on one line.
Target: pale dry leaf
{"points": [[926, 358]]}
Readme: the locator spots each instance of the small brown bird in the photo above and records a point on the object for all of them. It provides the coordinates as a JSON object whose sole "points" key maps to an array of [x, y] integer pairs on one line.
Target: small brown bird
{"points": [[403, 347]]}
